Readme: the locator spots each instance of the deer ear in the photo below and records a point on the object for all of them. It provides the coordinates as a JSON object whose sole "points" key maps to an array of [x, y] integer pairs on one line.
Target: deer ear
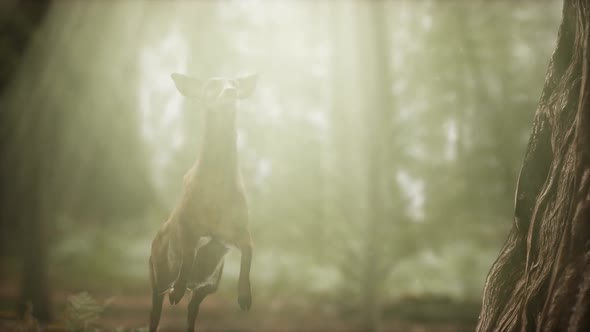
{"points": [[246, 85], [188, 86]]}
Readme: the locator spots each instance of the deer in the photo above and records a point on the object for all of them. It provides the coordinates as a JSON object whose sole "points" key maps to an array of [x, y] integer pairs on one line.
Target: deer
{"points": [[211, 216]]}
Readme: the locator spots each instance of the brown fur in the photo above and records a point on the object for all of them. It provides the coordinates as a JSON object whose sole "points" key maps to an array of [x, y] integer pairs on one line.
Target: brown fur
{"points": [[189, 248]]}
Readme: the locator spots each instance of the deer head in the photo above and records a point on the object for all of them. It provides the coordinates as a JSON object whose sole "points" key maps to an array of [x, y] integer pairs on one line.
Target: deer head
{"points": [[217, 96], [215, 93]]}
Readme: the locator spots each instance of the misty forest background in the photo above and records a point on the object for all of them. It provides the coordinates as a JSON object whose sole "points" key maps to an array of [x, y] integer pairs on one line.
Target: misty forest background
{"points": [[380, 153]]}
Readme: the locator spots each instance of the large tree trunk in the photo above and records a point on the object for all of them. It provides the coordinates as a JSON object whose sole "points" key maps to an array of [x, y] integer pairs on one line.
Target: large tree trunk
{"points": [[20, 197], [541, 280]]}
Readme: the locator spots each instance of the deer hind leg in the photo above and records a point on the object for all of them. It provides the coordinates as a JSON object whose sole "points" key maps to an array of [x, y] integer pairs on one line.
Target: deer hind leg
{"points": [[198, 296], [157, 299], [244, 291], [187, 245]]}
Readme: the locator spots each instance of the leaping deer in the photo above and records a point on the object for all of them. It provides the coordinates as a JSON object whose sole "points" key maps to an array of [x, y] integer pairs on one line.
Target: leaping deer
{"points": [[189, 249]]}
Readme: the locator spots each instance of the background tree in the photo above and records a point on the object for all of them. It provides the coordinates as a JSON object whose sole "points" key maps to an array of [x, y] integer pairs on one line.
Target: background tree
{"points": [[22, 21]]}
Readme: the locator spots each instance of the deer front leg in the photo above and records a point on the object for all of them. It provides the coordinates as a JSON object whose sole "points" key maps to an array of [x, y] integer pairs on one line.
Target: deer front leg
{"points": [[244, 291], [187, 254]]}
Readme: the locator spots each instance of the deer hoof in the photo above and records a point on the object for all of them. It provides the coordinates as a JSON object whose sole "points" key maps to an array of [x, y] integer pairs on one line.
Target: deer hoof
{"points": [[176, 294], [245, 302]]}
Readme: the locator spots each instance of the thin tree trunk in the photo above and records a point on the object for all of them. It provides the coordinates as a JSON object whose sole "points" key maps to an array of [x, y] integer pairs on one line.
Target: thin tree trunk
{"points": [[541, 280], [375, 56], [34, 282]]}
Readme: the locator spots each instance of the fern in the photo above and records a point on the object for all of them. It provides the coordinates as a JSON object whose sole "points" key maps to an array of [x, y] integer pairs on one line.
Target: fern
{"points": [[82, 312]]}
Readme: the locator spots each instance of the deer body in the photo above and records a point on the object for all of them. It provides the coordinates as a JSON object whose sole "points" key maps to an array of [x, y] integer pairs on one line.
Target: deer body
{"points": [[212, 215]]}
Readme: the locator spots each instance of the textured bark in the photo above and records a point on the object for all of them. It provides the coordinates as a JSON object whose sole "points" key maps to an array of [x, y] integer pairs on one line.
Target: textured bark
{"points": [[541, 279]]}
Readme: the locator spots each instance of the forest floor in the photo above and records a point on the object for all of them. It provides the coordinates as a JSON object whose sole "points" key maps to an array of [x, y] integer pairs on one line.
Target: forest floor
{"points": [[129, 312]]}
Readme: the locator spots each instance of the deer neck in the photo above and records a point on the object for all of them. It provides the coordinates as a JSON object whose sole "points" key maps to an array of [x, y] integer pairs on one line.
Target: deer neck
{"points": [[218, 159]]}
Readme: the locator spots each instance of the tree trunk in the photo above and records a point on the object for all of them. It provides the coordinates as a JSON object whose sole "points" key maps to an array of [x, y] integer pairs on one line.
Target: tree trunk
{"points": [[377, 121], [21, 196], [34, 280], [541, 280]]}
